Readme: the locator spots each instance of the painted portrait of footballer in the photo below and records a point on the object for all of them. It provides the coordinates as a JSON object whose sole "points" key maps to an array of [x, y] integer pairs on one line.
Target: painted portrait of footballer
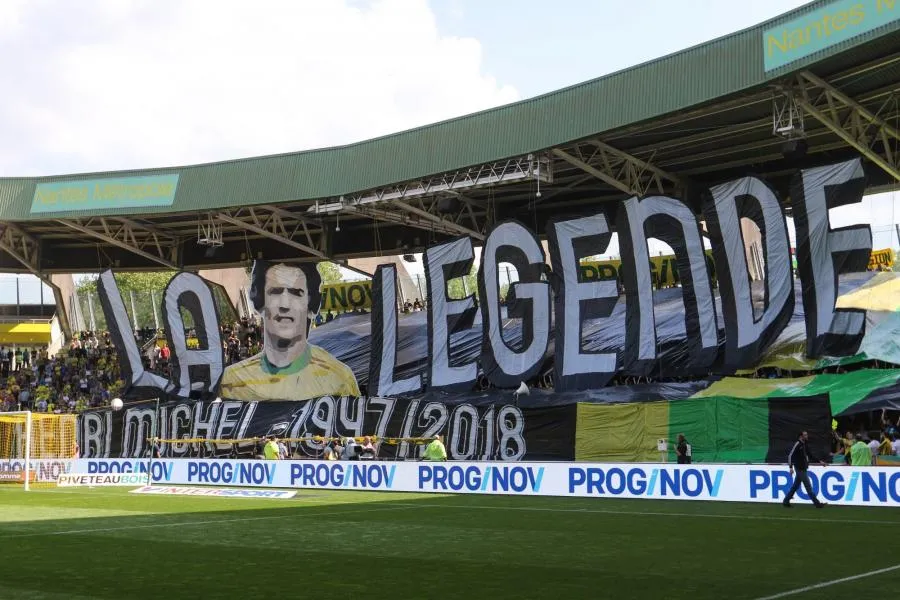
{"points": [[289, 367]]}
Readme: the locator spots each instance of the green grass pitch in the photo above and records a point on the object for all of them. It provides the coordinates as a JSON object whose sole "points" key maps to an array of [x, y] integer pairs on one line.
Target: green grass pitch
{"points": [[107, 543]]}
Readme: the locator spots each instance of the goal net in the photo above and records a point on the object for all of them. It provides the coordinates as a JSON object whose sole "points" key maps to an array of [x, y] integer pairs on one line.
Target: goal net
{"points": [[29, 441]]}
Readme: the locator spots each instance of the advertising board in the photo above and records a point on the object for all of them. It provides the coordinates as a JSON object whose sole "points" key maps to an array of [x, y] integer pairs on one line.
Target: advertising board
{"points": [[840, 485]]}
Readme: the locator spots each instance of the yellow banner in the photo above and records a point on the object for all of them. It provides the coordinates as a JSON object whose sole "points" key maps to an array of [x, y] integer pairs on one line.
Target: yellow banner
{"points": [[665, 273], [881, 259], [621, 432], [346, 296], [662, 269], [25, 333]]}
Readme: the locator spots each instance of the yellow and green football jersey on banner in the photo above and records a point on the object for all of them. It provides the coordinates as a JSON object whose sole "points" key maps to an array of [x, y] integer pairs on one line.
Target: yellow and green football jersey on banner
{"points": [[314, 374]]}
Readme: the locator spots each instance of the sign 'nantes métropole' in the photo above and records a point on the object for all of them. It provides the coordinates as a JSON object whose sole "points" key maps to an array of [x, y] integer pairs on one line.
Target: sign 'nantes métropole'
{"points": [[288, 297], [824, 28]]}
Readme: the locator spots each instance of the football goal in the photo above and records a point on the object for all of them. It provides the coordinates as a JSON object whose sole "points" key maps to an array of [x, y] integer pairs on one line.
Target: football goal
{"points": [[28, 440]]}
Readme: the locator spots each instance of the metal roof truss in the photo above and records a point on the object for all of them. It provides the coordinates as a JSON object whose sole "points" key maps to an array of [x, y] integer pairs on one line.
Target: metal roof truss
{"points": [[143, 240], [22, 247], [280, 225], [864, 130], [512, 170], [619, 169]]}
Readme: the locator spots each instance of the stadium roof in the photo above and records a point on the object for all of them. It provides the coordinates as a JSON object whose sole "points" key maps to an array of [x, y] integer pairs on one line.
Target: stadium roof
{"points": [[672, 125]]}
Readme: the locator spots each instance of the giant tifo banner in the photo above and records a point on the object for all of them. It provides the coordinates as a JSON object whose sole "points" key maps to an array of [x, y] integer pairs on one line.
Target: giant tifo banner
{"points": [[591, 356]]}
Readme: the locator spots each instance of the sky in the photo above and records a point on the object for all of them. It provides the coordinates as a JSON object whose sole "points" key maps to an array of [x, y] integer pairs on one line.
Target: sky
{"points": [[99, 85]]}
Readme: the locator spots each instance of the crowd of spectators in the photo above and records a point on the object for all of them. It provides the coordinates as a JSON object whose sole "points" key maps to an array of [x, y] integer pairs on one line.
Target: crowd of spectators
{"points": [[241, 340], [83, 375], [866, 437], [414, 306]]}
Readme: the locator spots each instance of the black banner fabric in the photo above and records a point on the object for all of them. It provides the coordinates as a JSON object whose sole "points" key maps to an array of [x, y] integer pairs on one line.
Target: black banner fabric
{"points": [[824, 254], [550, 432], [788, 417], [752, 318], [348, 337], [471, 430]]}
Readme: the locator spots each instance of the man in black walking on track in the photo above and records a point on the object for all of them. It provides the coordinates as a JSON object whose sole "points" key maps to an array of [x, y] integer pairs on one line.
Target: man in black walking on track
{"points": [[798, 459]]}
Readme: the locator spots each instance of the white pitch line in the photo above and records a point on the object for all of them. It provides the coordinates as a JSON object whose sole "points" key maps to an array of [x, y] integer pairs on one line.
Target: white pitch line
{"points": [[208, 522], [824, 584], [649, 513]]}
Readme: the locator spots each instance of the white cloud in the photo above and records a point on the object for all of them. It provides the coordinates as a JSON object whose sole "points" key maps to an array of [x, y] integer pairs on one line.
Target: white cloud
{"points": [[110, 84]]}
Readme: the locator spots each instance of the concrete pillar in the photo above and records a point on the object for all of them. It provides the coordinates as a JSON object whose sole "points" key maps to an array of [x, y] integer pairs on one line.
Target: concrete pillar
{"points": [[233, 280], [408, 289], [63, 286], [753, 249]]}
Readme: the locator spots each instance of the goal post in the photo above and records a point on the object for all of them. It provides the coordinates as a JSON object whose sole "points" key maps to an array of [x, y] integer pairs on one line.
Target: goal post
{"points": [[27, 439]]}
